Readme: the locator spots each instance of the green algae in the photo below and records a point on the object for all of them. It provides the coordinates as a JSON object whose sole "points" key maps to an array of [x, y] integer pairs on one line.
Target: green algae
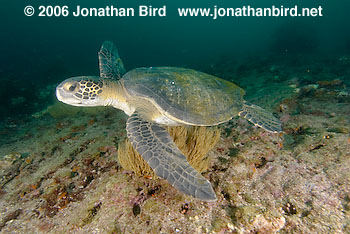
{"points": [[61, 110], [244, 215], [90, 214], [219, 224], [233, 152]]}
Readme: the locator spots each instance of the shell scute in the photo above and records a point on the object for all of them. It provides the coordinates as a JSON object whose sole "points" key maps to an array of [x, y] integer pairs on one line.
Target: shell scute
{"points": [[194, 97]]}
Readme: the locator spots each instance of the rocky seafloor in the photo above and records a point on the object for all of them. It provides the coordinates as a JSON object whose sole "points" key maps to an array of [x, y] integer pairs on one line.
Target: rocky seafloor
{"points": [[60, 174]]}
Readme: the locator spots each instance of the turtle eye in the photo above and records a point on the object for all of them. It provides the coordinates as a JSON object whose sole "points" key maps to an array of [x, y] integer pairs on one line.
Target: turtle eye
{"points": [[72, 87]]}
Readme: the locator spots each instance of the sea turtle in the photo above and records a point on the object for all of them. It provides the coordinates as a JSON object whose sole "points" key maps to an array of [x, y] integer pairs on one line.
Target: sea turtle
{"points": [[158, 96]]}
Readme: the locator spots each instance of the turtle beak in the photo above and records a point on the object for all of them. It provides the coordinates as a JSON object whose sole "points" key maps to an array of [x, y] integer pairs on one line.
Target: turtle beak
{"points": [[65, 97], [58, 92]]}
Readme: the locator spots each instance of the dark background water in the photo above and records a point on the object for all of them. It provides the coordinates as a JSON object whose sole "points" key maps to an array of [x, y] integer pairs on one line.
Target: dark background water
{"points": [[37, 52]]}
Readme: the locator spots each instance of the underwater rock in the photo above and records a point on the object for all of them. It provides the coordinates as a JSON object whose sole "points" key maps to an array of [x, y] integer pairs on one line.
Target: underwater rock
{"points": [[61, 110], [268, 226], [11, 216], [330, 83], [194, 143]]}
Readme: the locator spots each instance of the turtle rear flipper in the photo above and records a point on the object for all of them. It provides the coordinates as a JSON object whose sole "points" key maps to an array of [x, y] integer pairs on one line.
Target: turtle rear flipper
{"points": [[155, 145], [260, 117]]}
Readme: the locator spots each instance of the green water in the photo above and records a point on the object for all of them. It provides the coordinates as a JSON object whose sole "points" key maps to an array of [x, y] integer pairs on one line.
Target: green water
{"points": [[37, 52]]}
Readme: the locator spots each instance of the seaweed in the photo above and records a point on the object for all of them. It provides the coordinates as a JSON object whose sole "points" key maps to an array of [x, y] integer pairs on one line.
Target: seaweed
{"points": [[194, 142], [91, 213]]}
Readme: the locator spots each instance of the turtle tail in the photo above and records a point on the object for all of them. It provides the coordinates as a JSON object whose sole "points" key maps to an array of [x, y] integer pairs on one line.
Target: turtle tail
{"points": [[260, 117]]}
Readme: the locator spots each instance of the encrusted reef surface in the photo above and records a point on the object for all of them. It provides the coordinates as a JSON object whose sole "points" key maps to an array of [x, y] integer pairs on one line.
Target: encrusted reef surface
{"points": [[60, 173]]}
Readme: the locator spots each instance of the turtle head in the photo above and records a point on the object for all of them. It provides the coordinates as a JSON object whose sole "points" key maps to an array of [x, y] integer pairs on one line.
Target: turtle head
{"points": [[81, 91]]}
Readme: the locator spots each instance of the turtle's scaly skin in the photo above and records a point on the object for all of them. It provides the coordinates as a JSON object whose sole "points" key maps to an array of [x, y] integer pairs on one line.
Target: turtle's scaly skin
{"points": [[185, 95]]}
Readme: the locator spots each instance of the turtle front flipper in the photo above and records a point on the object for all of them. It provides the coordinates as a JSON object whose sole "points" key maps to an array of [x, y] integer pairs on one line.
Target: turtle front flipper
{"points": [[155, 145], [260, 117], [111, 66]]}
